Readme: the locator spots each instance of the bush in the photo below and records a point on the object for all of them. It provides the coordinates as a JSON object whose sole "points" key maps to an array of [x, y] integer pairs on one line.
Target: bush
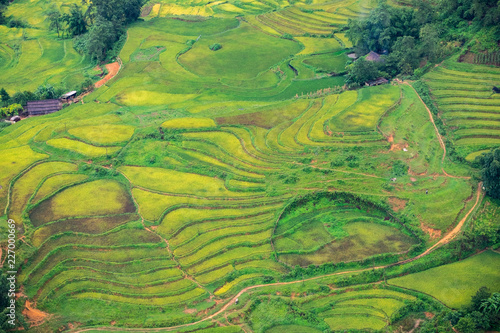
{"points": [[287, 36], [11, 110], [17, 23], [215, 47]]}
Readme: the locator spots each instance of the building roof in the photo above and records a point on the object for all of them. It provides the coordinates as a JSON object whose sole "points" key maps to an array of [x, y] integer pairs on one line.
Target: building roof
{"points": [[71, 93], [380, 80], [373, 56], [44, 106]]}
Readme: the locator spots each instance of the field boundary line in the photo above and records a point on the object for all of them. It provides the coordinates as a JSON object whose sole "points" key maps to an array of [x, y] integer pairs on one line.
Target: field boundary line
{"points": [[440, 139]]}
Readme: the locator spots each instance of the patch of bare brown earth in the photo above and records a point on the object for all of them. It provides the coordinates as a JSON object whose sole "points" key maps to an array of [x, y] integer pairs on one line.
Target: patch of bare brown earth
{"points": [[397, 204]]}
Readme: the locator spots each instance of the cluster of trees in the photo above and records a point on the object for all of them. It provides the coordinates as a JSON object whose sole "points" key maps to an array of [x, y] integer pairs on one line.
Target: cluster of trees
{"points": [[409, 36], [490, 172], [11, 22], [482, 314], [12, 105], [97, 25]]}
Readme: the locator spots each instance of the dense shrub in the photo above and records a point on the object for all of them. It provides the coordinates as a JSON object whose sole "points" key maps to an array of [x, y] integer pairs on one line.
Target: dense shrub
{"points": [[215, 47]]}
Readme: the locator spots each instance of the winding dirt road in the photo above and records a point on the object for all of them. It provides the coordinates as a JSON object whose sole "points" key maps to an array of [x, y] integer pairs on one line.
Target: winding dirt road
{"points": [[113, 69]]}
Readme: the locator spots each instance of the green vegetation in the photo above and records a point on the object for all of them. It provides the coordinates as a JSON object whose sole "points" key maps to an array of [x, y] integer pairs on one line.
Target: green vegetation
{"points": [[455, 284], [490, 172], [231, 150]]}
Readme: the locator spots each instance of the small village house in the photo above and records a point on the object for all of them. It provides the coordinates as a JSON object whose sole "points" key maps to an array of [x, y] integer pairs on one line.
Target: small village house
{"points": [[373, 56], [36, 108], [377, 82], [68, 97]]}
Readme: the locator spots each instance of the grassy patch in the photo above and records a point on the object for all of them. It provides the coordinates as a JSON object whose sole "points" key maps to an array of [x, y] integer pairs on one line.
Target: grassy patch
{"points": [[454, 284], [100, 197], [236, 59], [103, 134], [81, 147]]}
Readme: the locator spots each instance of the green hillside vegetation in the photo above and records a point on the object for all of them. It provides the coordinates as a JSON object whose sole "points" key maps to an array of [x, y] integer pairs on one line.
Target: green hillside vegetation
{"points": [[228, 159]]}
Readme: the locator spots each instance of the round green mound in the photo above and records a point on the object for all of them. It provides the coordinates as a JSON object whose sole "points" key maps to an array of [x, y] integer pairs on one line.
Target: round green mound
{"points": [[330, 228]]}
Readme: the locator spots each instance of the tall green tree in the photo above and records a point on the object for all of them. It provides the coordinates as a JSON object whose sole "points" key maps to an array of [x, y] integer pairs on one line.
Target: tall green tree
{"points": [[100, 39], [361, 71], [406, 54], [55, 18], [430, 45], [75, 20], [490, 172], [4, 95]]}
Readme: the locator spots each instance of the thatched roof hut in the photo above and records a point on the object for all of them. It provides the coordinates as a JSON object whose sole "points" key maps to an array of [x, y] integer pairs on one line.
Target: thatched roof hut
{"points": [[377, 82], [373, 56], [36, 108]]}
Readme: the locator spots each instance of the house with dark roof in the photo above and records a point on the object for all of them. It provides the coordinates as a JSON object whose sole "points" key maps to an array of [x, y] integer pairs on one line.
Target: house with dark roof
{"points": [[37, 108], [377, 82], [68, 97], [373, 56]]}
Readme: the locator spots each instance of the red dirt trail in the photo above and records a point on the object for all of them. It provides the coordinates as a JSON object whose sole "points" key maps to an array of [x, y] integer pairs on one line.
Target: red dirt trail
{"points": [[113, 69]]}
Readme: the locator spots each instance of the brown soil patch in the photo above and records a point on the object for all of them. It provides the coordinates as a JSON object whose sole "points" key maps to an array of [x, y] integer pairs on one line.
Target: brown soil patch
{"points": [[397, 204], [413, 173], [398, 146], [34, 316], [433, 233], [146, 10], [429, 315], [113, 69], [395, 146], [190, 311], [413, 179]]}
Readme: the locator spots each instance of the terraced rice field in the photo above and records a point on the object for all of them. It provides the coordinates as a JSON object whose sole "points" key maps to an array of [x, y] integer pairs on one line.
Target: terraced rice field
{"points": [[451, 283], [468, 106], [182, 180]]}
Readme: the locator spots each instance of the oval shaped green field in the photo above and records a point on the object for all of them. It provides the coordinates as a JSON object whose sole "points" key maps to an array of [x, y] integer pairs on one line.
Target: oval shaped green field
{"points": [[100, 197]]}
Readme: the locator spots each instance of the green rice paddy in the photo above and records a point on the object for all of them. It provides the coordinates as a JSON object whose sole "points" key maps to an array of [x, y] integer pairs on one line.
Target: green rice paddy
{"points": [[454, 284], [172, 187]]}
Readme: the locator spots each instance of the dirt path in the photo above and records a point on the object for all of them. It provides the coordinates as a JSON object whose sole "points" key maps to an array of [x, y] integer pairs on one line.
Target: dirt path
{"points": [[113, 69], [440, 139], [35, 316], [446, 239]]}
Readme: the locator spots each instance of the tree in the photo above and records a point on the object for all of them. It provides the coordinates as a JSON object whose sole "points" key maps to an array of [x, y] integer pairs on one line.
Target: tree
{"points": [[492, 304], [490, 172], [361, 71], [429, 42], [481, 295], [405, 54], [46, 92], [5, 96], [75, 21], [100, 39], [23, 97], [55, 18], [466, 325]]}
